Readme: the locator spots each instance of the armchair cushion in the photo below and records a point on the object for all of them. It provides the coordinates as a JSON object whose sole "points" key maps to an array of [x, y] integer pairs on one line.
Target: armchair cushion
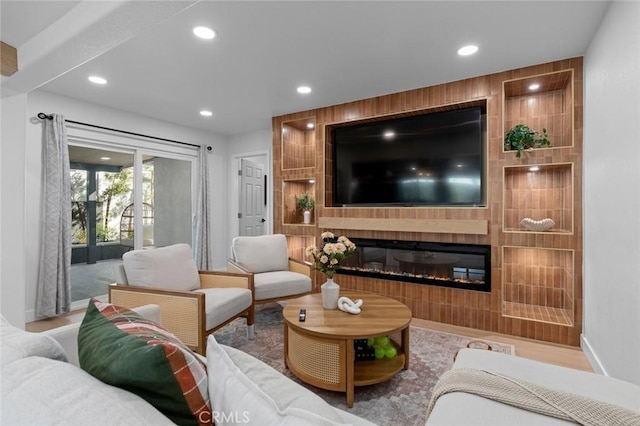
{"points": [[223, 303], [264, 253], [170, 267], [122, 349], [270, 285]]}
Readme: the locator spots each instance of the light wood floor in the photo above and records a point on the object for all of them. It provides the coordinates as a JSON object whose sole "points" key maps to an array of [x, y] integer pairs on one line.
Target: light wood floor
{"points": [[566, 356]]}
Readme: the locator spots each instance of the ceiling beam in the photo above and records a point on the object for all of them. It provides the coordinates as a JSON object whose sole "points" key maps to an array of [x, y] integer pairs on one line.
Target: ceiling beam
{"points": [[8, 59]]}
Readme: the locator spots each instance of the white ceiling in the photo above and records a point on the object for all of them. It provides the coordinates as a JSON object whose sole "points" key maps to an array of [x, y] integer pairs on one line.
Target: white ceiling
{"points": [[345, 51]]}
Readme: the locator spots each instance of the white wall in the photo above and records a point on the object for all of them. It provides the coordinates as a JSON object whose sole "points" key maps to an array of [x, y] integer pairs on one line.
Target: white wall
{"points": [[12, 209], [611, 335], [40, 101], [255, 146]]}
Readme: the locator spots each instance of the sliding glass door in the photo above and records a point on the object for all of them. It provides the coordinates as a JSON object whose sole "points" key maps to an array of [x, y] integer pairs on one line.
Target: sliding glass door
{"points": [[124, 199]]}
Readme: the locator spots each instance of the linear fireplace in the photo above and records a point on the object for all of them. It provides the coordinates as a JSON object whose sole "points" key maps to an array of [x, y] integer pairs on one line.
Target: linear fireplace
{"points": [[465, 266]]}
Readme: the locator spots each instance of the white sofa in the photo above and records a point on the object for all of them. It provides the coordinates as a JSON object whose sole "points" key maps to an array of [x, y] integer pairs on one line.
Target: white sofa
{"points": [[462, 408], [43, 385]]}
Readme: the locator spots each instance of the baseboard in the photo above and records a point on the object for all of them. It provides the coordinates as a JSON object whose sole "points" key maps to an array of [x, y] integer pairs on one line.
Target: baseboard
{"points": [[592, 357], [30, 315]]}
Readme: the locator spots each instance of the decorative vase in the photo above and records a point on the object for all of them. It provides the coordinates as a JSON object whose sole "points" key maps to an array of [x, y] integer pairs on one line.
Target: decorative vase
{"points": [[306, 216], [330, 294]]}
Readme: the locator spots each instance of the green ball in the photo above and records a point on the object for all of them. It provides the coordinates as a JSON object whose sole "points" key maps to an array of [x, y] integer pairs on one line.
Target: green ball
{"points": [[380, 352], [382, 341], [371, 341], [390, 351]]}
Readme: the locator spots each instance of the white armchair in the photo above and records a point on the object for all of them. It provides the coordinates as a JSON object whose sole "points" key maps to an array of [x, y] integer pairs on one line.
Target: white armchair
{"points": [[275, 275], [193, 303]]}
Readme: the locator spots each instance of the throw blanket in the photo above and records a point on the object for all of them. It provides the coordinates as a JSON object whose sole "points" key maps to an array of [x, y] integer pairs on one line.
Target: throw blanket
{"points": [[529, 396]]}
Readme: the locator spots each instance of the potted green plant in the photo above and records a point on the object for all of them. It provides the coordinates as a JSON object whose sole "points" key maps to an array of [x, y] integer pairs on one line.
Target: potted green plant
{"points": [[521, 137], [306, 203]]}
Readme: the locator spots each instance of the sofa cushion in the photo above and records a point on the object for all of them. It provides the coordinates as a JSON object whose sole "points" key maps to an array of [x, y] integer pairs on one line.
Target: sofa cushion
{"points": [[223, 303], [263, 253], [18, 344], [280, 284], [42, 391], [258, 394], [119, 347], [170, 267]]}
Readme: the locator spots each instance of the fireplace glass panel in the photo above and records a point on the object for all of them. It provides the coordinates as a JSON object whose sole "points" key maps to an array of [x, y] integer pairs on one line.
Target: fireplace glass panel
{"points": [[450, 265]]}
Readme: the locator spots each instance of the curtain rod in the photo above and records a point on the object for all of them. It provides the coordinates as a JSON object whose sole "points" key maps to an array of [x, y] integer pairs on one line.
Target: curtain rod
{"points": [[43, 116]]}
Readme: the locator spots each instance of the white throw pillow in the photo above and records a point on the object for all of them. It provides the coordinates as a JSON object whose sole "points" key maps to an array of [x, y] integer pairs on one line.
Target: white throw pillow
{"points": [[170, 267], [264, 253], [236, 397]]}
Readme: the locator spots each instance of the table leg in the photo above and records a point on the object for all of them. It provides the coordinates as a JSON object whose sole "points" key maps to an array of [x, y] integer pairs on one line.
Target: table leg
{"points": [[405, 347], [350, 373], [286, 344]]}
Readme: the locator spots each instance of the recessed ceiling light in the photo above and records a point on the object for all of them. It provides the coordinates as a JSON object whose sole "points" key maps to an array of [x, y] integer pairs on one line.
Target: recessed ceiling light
{"points": [[97, 80], [310, 125], [105, 158], [467, 50], [534, 86], [312, 181], [534, 168], [206, 113], [204, 32], [304, 89]]}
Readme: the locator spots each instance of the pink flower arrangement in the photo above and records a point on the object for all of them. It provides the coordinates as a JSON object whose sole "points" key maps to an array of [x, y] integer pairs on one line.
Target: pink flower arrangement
{"points": [[333, 251]]}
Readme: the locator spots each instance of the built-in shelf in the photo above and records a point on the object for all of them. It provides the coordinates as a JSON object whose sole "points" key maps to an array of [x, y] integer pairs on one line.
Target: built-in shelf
{"points": [[291, 189], [538, 192], [538, 284], [550, 106], [299, 143], [298, 244]]}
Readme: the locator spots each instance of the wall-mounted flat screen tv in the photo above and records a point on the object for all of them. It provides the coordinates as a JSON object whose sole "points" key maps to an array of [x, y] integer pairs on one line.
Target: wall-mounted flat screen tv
{"points": [[432, 159]]}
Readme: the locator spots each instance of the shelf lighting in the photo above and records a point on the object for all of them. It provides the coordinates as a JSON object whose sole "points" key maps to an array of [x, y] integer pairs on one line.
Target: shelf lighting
{"points": [[534, 86], [310, 125], [312, 181], [534, 168]]}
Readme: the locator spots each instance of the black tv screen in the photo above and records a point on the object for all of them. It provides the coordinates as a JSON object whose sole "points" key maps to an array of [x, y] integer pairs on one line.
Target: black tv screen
{"points": [[434, 159]]}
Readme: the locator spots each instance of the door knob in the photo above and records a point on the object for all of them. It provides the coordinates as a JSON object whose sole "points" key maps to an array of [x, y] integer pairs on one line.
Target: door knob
{"points": [[263, 220]]}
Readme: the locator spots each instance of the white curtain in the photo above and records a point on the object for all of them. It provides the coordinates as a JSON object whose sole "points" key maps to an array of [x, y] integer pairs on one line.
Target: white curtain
{"points": [[54, 279], [202, 251]]}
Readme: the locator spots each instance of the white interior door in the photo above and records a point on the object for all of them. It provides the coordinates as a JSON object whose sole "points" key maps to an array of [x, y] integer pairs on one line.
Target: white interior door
{"points": [[252, 201]]}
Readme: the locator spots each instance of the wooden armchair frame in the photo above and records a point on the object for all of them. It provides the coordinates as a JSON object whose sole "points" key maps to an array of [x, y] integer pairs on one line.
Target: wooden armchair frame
{"points": [[183, 312], [294, 266]]}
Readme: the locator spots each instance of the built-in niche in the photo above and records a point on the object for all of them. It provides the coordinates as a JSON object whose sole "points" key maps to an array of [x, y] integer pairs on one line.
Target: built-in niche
{"points": [[299, 143], [538, 192], [543, 101], [538, 284], [292, 189]]}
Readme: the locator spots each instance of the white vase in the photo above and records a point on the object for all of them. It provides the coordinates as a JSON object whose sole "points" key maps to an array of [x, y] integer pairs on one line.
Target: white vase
{"points": [[330, 294], [306, 216]]}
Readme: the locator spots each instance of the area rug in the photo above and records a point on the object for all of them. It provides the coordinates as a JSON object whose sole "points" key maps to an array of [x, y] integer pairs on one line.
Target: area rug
{"points": [[402, 400]]}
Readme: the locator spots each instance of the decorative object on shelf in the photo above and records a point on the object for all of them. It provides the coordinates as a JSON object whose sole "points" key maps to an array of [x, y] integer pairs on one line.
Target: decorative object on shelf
{"points": [[305, 203], [521, 138], [537, 225], [347, 305], [327, 260]]}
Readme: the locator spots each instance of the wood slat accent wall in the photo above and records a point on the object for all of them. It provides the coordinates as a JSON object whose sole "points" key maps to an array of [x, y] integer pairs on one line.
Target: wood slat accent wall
{"points": [[538, 299], [9, 62]]}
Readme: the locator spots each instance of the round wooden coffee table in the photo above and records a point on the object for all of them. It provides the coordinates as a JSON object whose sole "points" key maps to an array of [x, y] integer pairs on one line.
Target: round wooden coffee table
{"points": [[320, 350]]}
